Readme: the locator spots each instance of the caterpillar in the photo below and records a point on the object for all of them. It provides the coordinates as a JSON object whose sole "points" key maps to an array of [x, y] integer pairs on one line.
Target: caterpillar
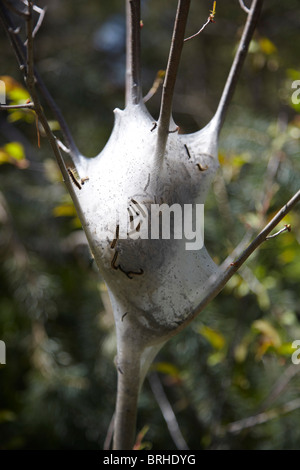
{"points": [[83, 180], [113, 243], [187, 150], [128, 273], [202, 168], [73, 178]]}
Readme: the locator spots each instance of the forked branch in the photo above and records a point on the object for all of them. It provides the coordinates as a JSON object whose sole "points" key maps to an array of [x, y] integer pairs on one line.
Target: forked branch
{"points": [[21, 55], [25, 58], [243, 6]]}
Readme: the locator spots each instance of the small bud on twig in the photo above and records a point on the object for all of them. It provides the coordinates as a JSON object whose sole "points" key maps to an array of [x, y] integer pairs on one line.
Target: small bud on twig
{"points": [[286, 228], [210, 19]]}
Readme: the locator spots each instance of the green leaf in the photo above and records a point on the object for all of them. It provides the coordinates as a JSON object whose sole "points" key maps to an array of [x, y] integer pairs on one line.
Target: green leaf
{"points": [[166, 368], [267, 46], [267, 330], [293, 74], [26, 115], [215, 338], [15, 150], [215, 358], [15, 92], [64, 210], [14, 154], [18, 95], [285, 349], [269, 337]]}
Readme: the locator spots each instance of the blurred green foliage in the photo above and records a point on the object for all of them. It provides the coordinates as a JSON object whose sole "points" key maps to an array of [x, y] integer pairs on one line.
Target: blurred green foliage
{"points": [[57, 390]]}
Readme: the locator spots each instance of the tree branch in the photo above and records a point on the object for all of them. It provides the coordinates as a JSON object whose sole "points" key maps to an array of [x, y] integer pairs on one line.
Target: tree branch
{"points": [[20, 52], [216, 283], [133, 52], [237, 63], [200, 30], [170, 78], [263, 417], [15, 10], [12, 33], [167, 412], [156, 84], [30, 82], [280, 386], [109, 433], [30, 79], [41, 12], [127, 398], [210, 19], [243, 7], [17, 106]]}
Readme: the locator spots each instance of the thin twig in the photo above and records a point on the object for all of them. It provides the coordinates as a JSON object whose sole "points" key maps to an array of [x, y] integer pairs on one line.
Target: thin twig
{"points": [[238, 63], [62, 146], [217, 281], [20, 52], [156, 84], [15, 10], [167, 412], [29, 59], [31, 77], [12, 33], [171, 74], [225, 212], [264, 197], [109, 433], [41, 12], [286, 228], [261, 237], [199, 32], [30, 82], [280, 385], [269, 188], [210, 19], [17, 106], [243, 6], [133, 52], [264, 417]]}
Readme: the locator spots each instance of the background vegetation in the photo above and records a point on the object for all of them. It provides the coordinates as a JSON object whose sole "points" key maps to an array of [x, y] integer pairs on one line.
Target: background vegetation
{"points": [[57, 390]]}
